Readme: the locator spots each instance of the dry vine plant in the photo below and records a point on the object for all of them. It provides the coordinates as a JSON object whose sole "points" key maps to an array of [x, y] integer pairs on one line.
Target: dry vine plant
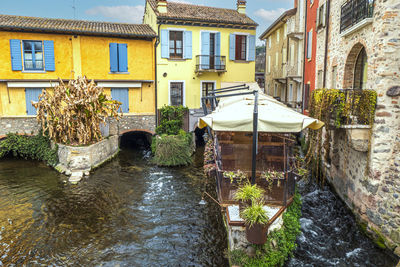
{"points": [[72, 113]]}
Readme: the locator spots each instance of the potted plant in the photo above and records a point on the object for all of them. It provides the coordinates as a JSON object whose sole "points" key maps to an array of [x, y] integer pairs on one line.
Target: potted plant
{"points": [[246, 194], [256, 220], [208, 156], [270, 175], [237, 177]]}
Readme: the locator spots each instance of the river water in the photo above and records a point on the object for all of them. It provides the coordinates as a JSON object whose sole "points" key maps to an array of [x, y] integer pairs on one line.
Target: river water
{"points": [[131, 213]]}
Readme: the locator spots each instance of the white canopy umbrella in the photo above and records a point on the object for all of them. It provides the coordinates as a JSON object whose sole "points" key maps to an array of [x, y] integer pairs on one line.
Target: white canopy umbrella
{"points": [[236, 114]]}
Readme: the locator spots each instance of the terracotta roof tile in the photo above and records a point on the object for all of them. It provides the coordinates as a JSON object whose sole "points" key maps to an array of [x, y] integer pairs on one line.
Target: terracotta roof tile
{"points": [[202, 13], [10, 22]]}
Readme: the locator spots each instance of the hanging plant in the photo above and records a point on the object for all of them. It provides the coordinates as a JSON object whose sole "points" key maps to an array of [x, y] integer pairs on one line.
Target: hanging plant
{"points": [[236, 176], [270, 175]]}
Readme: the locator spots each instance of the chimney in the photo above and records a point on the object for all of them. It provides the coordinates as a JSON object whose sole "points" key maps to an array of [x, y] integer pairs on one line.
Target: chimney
{"points": [[162, 6], [241, 6]]}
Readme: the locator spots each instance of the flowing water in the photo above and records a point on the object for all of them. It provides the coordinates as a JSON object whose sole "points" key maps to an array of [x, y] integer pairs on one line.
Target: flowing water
{"points": [[131, 213]]}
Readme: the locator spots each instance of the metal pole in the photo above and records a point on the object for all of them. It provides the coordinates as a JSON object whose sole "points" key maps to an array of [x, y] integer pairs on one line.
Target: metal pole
{"points": [[255, 139], [285, 173]]}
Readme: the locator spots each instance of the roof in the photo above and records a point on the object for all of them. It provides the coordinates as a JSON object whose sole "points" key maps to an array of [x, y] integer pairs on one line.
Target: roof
{"points": [[287, 13], [20, 23], [191, 12]]}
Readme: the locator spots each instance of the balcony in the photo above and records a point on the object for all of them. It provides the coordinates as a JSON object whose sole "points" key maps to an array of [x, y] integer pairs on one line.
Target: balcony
{"points": [[205, 63], [355, 14]]}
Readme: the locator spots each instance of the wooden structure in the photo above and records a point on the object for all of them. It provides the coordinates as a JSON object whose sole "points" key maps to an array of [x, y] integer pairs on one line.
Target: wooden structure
{"points": [[233, 151]]}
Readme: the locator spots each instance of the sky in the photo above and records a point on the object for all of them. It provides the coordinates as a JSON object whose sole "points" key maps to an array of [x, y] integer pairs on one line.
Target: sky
{"points": [[264, 12]]}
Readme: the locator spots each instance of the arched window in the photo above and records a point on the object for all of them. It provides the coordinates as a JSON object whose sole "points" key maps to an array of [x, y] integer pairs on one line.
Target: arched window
{"points": [[360, 70]]}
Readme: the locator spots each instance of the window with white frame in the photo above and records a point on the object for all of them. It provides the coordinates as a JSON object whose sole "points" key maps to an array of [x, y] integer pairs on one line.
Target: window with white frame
{"points": [[276, 59], [275, 89], [309, 44], [269, 64], [277, 35], [176, 93]]}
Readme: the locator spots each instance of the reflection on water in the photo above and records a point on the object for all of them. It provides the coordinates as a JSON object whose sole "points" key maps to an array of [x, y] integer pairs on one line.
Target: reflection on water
{"points": [[128, 213]]}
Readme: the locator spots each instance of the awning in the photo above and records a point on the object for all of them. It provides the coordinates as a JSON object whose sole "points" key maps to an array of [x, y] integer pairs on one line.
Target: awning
{"points": [[236, 114]]}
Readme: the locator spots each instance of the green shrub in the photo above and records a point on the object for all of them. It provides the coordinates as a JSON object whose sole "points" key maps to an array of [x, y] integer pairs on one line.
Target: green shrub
{"points": [[280, 245], [171, 120], [29, 147], [173, 150]]}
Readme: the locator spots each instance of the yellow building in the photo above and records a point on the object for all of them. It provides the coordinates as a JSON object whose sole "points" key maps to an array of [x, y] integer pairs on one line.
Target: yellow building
{"points": [[199, 49], [39, 51]]}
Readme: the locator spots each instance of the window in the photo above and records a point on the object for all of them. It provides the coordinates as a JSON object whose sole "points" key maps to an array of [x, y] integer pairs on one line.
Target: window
{"points": [[31, 95], [269, 42], [284, 54], [321, 16], [176, 44], [320, 78], [311, 2], [176, 93], [334, 74], [207, 87], [241, 47], [33, 55], [277, 35], [275, 90], [118, 57], [292, 55], [290, 92], [276, 59], [285, 31], [269, 64], [360, 70], [306, 95], [309, 44], [299, 93], [121, 95]]}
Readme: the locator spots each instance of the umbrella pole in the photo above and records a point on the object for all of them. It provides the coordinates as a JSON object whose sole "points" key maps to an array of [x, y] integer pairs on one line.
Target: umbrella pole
{"points": [[255, 139]]}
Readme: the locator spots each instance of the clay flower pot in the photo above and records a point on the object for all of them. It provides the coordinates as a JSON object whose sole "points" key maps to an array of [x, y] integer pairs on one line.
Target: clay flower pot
{"points": [[257, 233]]}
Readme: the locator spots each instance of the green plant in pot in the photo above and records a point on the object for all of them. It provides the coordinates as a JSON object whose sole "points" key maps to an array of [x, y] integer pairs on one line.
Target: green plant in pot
{"points": [[246, 193], [237, 177], [269, 176], [256, 220]]}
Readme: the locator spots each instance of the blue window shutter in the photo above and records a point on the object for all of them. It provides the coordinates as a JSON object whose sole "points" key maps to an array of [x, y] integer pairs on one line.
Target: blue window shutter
{"points": [[187, 49], [49, 61], [205, 50], [15, 49], [122, 57], [113, 57], [121, 95], [232, 46], [218, 50], [252, 47], [31, 94], [164, 43]]}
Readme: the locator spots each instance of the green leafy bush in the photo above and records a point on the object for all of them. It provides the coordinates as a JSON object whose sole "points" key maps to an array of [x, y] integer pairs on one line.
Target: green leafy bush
{"points": [[173, 150], [249, 192], [29, 147], [280, 245], [171, 120], [255, 214]]}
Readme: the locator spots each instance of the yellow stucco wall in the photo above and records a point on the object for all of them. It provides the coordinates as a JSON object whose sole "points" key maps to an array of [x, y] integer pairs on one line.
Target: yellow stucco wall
{"points": [[81, 55], [184, 70], [62, 54], [96, 58]]}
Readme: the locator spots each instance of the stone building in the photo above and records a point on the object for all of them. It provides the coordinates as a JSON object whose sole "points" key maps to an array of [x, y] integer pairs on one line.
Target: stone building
{"points": [[276, 41], [284, 56], [358, 47]]}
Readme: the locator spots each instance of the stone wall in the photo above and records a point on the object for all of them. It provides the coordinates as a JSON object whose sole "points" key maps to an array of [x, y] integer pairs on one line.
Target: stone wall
{"points": [[80, 160], [19, 124], [133, 122], [29, 125], [372, 194]]}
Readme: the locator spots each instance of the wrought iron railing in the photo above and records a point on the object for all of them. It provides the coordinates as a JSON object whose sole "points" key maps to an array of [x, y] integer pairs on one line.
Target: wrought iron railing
{"points": [[354, 11], [210, 63]]}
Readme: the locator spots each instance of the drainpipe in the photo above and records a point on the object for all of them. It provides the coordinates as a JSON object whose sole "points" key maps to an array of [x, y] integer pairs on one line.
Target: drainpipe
{"points": [[328, 7], [155, 70], [286, 65], [304, 55]]}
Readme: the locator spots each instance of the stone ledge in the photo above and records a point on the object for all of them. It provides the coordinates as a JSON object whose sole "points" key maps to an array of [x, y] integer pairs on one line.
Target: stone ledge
{"points": [[80, 160]]}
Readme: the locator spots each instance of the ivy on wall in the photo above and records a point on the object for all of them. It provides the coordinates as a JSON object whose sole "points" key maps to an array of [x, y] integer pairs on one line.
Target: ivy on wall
{"points": [[171, 119], [336, 108]]}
